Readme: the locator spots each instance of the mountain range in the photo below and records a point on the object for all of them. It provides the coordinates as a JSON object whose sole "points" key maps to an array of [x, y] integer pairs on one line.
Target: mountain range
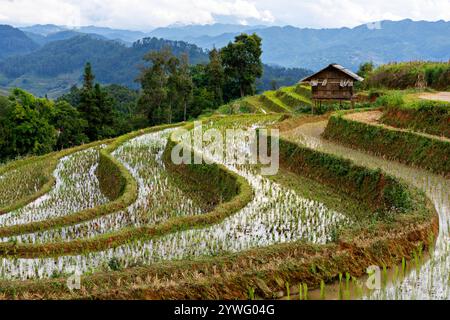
{"points": [[56, 66], [380, 42], [49, 58]]}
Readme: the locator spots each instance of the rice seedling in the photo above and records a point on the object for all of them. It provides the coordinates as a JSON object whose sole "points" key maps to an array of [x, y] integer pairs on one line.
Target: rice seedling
{"points": [[158, 198], [288, 291], [322, 290], [22, 182], [251, 293], [77, 188], [403, 266], [305, 291], [276, 215]]}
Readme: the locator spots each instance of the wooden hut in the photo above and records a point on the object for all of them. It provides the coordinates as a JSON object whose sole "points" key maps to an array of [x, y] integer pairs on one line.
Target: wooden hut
{"points": [[333, 83]]}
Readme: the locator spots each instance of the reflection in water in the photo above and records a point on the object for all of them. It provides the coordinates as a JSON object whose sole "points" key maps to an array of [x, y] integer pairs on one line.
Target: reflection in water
{"points": [[432, 280]]}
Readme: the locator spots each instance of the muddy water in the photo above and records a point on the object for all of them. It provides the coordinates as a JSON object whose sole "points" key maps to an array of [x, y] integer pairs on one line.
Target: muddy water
{"points": [[432, 279]]}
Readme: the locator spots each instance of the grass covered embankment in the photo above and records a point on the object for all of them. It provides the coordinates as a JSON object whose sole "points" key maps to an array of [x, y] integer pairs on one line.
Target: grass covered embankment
{"points": [[432, 117], [407, 147], [414, 74]]}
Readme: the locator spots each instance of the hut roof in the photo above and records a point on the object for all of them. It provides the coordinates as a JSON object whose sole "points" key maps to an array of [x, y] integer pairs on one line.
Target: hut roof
{"points": [[340, 68]]}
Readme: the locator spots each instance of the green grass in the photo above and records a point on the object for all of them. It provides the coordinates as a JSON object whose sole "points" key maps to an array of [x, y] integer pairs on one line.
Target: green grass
{"points": [[406, 111], [294, 99], [407, 147], [405, 75]]}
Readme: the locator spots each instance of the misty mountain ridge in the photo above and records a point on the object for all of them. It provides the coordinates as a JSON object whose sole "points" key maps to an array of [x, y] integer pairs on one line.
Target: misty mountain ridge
{"points": [[380, 42], [127, 36]]}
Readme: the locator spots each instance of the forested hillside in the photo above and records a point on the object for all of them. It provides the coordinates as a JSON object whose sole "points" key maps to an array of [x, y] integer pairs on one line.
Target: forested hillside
{"points": [[13, 42], [381, 42], [114, 63]]}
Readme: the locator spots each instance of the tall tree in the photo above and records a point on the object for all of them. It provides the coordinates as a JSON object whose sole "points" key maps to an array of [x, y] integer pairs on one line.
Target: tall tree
{"points": [[242, 62], [95, 108], [26, 126], [88, 77], [69, 125], [216, 76], [154, 80], [185, 84], [365, 69]]}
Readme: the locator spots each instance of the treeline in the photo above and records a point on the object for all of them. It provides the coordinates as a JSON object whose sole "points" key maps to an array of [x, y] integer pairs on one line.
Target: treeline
{"points": [[416, 74], [113, 62], [173, 91], [34, 126]]}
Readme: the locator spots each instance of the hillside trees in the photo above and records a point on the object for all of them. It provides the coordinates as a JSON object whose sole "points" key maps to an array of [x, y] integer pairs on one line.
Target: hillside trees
{"points": [[216, 76], [25, 126], [242, 63], [95, 108], [69, 124], [174, 91], [365, 69], [154, 81]]}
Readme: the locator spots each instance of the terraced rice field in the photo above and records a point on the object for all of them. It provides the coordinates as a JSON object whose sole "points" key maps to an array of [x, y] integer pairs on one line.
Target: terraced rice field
{"points": [[276, 214], [22, 182], [431, 279]]}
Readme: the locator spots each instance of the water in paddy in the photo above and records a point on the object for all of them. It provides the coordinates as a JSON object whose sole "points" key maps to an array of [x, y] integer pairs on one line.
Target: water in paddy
{"points": [[432, 280]]}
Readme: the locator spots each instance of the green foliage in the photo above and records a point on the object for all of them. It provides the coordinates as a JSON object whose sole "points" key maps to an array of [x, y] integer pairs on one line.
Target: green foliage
{"points": [[96, 108], [379, 191], [432, 117], [393, 99], [159, 83], [407, 147], [242, 64], [70, 126], [114, 62], [365, 69], [414, 74], [25, 126], [114, 264], [275, 77], [216, 76]]}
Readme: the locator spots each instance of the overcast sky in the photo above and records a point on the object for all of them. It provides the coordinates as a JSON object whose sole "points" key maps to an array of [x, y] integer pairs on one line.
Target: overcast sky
{"points": [[147, 14]]}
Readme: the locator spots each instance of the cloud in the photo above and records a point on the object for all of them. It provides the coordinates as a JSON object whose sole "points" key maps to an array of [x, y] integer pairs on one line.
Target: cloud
{"points": [[350, 13], [145, 14], [134, 14]]}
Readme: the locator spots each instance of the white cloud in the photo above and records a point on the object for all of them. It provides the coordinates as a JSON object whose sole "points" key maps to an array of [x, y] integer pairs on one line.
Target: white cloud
{"points": [[135, 14], [350, 13], [144, 14]]}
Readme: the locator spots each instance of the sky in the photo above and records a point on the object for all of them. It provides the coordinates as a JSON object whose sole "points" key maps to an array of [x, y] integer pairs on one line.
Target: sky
{"points": [[145, 15]]}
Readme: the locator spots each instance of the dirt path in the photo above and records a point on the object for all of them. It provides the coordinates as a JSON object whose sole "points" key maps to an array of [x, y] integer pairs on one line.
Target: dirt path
{"points": [[432, 280], [440, 96], [371, 117]]}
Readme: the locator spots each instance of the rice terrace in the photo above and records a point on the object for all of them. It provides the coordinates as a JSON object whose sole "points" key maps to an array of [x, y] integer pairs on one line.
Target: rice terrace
{"points": [[199, 186]]}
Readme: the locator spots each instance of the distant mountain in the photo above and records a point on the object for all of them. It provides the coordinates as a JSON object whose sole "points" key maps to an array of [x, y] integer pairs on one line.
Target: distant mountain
{"points": [[58, 65], [4, 92], [196, 31], [381, 42], [127, 36], [44, 29], [58, 36], [43, 33], [14, 42]]}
